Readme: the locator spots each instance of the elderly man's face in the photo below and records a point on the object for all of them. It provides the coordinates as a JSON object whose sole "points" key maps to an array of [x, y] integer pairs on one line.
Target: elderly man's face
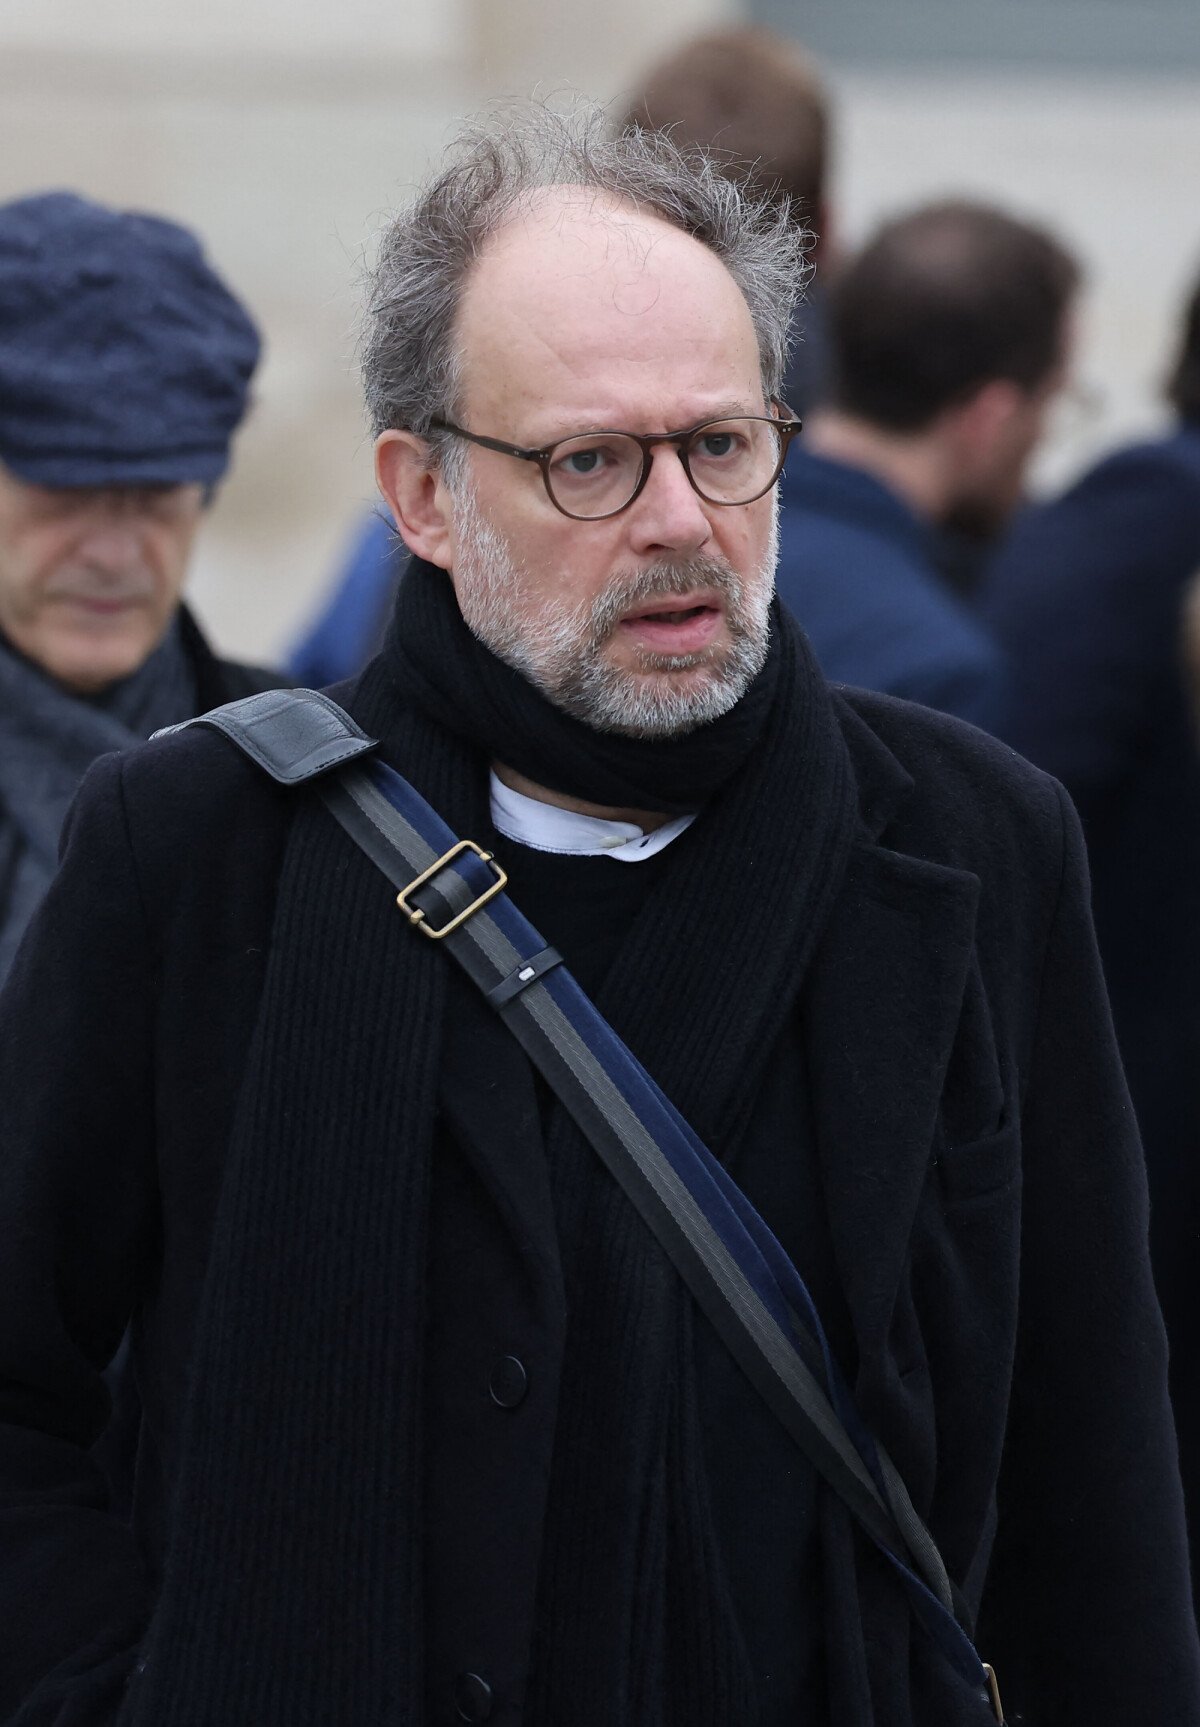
{"points": [[582, 317], [90, 579]]}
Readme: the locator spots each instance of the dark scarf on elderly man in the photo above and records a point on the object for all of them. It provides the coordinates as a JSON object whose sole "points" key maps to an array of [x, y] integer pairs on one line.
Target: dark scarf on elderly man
{"points": [[322, 1554], [49, 737]]}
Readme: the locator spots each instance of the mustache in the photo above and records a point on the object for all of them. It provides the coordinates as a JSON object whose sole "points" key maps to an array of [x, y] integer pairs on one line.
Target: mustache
{"points": [[659, 581], [80, 582]]}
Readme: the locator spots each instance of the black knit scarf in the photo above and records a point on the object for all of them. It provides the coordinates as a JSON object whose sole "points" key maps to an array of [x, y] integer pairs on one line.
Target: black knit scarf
{"points": [[299, 1517], [454, 680]]}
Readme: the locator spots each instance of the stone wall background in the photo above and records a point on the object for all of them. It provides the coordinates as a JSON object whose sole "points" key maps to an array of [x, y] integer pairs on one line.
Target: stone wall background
{"points": [[284, 130]]}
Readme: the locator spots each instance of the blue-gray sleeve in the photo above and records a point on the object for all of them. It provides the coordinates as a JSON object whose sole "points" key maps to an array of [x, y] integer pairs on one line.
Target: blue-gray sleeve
{"points": [[1085, 600]]}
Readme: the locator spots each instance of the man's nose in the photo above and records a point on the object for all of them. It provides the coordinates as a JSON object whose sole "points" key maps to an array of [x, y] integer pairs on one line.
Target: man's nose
{"points": [[110, 539], [669, 516]]}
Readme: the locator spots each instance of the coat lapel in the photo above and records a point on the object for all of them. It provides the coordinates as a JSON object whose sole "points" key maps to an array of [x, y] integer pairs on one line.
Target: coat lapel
{"points": [[881, 1008]]}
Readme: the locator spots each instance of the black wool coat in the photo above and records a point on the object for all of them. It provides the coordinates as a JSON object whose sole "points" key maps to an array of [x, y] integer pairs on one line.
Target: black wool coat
{"points": [[986, 1208]]}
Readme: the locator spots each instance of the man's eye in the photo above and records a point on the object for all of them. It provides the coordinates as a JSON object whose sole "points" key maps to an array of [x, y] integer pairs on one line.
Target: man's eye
{"points": [[581, 464], [715, 445]]}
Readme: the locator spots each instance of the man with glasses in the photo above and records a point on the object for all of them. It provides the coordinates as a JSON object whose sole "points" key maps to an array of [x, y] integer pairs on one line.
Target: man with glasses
{"points": [[757, 101], [435, 1429]]}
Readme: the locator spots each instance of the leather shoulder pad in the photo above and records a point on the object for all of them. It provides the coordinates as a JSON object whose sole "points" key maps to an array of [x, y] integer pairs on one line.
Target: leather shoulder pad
{"points": [[293, 735]]}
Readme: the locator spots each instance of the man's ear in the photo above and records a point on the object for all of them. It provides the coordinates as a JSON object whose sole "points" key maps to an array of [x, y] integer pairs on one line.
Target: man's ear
{"points": [[981, 424], [417, 496]]}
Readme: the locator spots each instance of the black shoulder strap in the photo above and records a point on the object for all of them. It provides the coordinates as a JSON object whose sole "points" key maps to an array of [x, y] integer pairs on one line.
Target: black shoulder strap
{"points": [[293, 735]]}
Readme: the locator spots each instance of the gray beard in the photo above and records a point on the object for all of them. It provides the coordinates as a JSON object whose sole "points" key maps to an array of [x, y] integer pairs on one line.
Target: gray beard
{"points": [[561, 649]]}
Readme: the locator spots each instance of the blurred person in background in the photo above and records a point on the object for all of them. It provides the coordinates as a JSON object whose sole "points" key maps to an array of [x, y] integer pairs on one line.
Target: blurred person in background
{"points": [[125, 366], [1087, 600], [951, 334], [758, 103]]}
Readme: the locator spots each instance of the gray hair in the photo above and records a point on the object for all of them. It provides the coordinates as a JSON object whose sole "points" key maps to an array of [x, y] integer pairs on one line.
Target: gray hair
{"points": [[410, 362]]}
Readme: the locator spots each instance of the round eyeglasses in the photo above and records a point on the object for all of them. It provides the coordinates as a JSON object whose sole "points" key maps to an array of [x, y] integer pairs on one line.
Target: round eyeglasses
{"points": [[598, 474]]}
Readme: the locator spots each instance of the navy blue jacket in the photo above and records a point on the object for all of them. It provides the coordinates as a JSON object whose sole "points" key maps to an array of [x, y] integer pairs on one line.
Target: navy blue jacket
{"points": [[349, 627], [1086, 598], [856, 567]]}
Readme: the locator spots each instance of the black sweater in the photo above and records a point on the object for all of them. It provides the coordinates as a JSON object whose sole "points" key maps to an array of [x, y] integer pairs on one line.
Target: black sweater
{"points": [[585, 906]]}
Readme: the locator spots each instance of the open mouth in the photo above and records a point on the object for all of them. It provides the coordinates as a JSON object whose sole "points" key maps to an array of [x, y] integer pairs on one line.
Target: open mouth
{"points": [[671, 617], [670, 628]]}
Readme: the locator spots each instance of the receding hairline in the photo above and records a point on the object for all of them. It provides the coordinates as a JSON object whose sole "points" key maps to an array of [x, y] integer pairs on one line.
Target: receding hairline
{"points": [[550, 209], [538, 206]]}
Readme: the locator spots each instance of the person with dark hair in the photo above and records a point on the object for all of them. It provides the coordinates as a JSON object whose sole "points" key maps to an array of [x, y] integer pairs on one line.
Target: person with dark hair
{"points": [[125, 367], [755, 101], [653, 1312], [951, 337], [1087, 600]]}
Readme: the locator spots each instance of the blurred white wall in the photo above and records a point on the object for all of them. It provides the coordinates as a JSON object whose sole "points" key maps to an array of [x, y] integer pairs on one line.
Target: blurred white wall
{"points": [[408, 29], [284, 130]]}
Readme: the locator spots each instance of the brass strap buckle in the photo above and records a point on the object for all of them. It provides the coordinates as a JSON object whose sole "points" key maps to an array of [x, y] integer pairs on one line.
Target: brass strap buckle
{"points": [[416, 916], [993, 1686]]}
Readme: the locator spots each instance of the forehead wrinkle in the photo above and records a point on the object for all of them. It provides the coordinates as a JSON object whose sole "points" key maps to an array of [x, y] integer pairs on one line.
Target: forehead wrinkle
{"points": [[598, 219], [523, 304]]}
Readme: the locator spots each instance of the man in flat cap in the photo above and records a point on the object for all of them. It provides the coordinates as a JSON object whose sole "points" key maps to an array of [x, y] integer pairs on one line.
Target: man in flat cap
{"points": [[125, 365]]}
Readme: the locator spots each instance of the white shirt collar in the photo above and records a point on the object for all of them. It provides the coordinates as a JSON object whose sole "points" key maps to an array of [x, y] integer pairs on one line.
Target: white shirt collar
{"points": [[548, 828]]}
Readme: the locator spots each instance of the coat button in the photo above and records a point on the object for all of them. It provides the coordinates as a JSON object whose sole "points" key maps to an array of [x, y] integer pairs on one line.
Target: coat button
{"points": [[508, 1382], [472, 1697]]}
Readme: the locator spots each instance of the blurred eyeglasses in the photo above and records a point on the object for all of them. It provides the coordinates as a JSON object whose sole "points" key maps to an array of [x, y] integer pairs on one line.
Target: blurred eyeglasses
{"points": [[599, 474]]}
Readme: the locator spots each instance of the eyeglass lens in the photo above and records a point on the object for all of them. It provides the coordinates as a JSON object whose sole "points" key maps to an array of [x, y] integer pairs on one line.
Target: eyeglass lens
{"points": [[728, 462]]}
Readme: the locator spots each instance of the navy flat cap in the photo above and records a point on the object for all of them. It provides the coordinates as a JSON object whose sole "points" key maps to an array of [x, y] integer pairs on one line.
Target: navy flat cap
{"points": [[124, 360]]}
